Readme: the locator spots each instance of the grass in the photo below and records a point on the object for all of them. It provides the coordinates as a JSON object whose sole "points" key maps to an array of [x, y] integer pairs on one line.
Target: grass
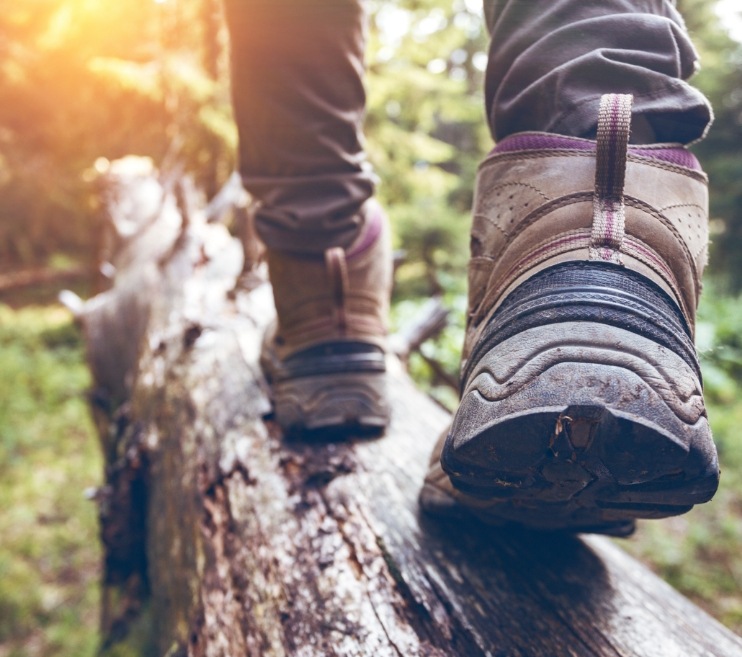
{"points": [[49, 550]]}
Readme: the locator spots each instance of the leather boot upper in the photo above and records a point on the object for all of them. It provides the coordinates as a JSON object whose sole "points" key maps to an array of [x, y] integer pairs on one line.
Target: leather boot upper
{"points": [[342, 295], [543, 199]]}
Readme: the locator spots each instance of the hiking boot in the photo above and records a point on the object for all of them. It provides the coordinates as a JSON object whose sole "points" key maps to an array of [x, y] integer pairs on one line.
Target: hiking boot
{"points": [[581, 404], [325, 355]]}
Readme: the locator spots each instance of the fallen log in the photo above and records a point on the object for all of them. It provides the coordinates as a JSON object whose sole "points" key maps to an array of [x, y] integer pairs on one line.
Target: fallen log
{"points": [[223, 539]]}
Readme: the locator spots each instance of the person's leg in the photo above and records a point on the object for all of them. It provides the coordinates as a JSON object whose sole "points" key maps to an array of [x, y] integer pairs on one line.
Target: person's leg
{"points": [[298, 96], [581, 401], [297, 68], [551, 60]]}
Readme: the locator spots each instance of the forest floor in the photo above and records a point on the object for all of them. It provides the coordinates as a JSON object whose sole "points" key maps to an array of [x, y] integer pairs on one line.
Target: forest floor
{"points": [[49, 457], [49, 552]]}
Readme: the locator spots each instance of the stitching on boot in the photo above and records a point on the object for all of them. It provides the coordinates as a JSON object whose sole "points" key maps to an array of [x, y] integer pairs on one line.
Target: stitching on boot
{"points": [[645, 254], [614, 127], [532, 217], [568, 241], [498, 158], [649, 210]]}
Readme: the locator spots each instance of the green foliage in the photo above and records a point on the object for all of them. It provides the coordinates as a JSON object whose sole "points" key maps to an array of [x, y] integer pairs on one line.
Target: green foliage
{"points": [[83, 79], [720, 79], [699, 553], [427, 134], [49, 552], [426, 131], [441, 381]]}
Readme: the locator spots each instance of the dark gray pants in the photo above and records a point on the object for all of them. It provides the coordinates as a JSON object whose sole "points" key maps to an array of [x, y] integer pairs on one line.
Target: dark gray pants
{"points": [[297, 68]]}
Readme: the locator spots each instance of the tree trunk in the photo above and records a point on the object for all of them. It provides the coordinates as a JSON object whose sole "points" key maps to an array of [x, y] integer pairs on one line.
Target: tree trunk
{"points": [[222, 538]]}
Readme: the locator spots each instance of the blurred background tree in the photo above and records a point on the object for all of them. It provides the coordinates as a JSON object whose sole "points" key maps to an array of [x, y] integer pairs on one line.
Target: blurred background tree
{"points": [[84, 79]]}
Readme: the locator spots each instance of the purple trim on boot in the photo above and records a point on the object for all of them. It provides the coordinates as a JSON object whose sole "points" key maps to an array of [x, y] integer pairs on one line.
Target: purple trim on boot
{"points": [[673, 154], [529, 141], [374, 223]]}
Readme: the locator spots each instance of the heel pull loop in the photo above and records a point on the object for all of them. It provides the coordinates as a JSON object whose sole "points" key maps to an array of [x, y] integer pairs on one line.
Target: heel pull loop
{"points": [[614, 128], [337, 272]]}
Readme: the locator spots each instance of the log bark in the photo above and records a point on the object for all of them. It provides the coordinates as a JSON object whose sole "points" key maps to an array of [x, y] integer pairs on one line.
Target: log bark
{"points": [[223, 539]]}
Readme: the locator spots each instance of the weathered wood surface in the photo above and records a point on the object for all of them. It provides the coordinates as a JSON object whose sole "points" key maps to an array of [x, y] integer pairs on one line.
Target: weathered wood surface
{"points": [[224, 539]]}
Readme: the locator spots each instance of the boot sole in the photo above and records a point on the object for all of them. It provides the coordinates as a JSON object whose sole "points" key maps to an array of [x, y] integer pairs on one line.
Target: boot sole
{"points": [[576, 425], [351, 401]]}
